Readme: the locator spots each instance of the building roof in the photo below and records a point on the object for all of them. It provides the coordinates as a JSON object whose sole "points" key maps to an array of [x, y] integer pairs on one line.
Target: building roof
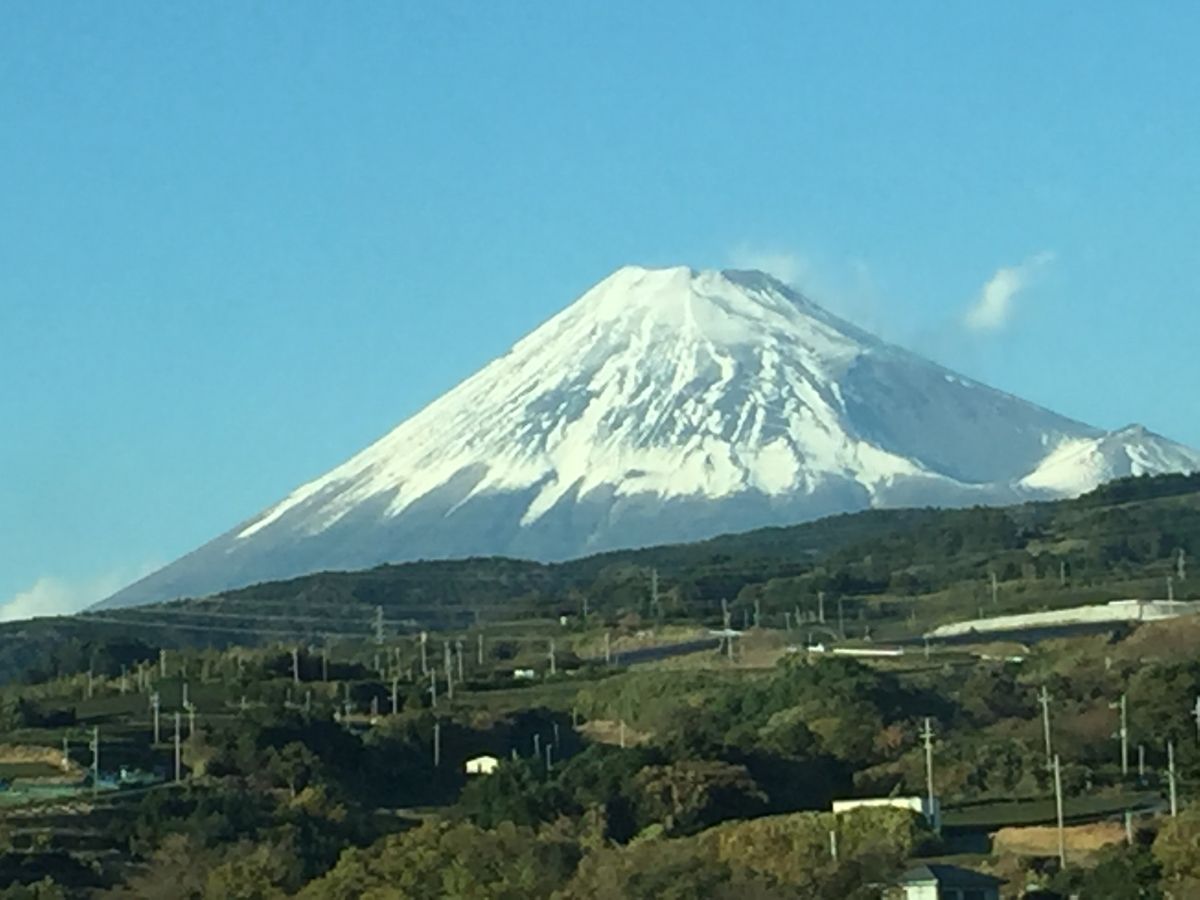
{"points": [[948, 876]]}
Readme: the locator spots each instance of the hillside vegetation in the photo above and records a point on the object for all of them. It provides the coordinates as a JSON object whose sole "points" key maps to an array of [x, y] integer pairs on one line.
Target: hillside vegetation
{"points": [[322, 751], [893, 573]]}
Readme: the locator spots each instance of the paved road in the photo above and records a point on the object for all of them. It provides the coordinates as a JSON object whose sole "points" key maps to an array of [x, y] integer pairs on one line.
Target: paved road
{"points": [[654, 654]]}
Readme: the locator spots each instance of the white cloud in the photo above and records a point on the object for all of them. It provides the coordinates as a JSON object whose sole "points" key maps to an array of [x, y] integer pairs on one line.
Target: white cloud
{"points": [[790, 268], [843, 285], [51, 595], [994, 307]]}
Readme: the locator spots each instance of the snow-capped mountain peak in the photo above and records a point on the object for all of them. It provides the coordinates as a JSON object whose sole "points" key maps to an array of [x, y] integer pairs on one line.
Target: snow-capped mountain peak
{"points": [[668, 404]]}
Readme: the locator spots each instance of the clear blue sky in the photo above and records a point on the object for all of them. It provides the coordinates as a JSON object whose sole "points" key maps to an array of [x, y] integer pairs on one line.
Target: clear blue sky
{"points": [[240, 241]]}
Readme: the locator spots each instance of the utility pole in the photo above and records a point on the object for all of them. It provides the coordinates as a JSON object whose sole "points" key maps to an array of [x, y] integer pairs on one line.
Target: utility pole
{"points": [[124, 682], [607, 649], [833, 848], [1058, 808], [1141, 761], [295, 665], [995, 589], [1171, 778], [622, 734], [927, 738], [1170, 588], [1124, 738], [449, 665], [66, 760], [162, 663], [553, 665], [183, 701], [378, 624], [155, 705], [787, 621], [433, 690], [437, 744], [1062, 573], [479, 649], [178, 751], [324, 663], [757, 613], [821, 607], [395, 696], [537, 746], [1044, 700], [91, 683], [95, 758], [458, 647], [1181, 566], [424, 657], [549, 749]]}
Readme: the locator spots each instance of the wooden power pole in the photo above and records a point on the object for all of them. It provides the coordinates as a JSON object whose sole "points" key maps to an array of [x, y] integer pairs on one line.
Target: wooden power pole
{"points": [[1171, 778], [927, 738], [95, 758], [1058, 808], [178, 750], [1044, 700]]}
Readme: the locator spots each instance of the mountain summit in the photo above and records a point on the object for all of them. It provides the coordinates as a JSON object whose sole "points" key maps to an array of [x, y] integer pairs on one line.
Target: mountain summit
{"points": [[667, 405]]}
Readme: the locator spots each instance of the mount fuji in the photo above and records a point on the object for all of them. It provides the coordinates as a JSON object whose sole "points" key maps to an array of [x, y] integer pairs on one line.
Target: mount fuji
{"points": [[667, 405]]}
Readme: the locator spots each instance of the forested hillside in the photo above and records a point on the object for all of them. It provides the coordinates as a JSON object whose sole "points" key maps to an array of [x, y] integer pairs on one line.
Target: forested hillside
{"points": [[894, 573]]}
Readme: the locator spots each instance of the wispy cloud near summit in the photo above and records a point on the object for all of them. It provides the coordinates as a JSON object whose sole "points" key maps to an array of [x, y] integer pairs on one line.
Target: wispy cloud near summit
{"points": [[993, 309], [789, 268]]}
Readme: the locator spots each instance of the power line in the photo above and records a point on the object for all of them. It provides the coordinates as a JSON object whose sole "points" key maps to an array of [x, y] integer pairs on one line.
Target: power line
{"points": [[273, 617], [227, 629]]}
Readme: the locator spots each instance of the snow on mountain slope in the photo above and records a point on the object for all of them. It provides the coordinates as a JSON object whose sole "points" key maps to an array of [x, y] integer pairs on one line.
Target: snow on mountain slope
{"points": [[666, 405], [1079, 465]]}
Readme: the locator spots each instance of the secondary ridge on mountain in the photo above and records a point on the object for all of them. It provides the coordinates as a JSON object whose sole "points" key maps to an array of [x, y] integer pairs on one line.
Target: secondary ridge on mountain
{"points": [[668, 405]]}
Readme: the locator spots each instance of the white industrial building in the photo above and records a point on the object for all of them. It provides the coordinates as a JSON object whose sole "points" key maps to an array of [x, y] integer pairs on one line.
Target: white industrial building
{"points": [[482, 765], [942, 882]]}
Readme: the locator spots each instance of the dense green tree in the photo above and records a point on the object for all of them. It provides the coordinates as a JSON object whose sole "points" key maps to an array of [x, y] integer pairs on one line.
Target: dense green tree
{"points": [[451, 862], [1177, 851], [688, 796]]}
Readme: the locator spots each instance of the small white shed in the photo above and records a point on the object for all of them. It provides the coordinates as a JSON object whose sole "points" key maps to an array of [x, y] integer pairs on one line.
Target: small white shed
{"points": [[482, 765]]}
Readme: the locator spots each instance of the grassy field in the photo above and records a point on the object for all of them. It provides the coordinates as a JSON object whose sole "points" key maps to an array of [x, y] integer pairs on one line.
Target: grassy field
{"points": [[11, 770]]}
